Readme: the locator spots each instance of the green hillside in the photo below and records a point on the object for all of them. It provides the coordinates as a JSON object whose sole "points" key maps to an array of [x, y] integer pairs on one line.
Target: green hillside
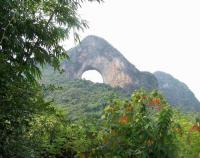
{"points": [[107, 122], [81, 97], [78, 97]]}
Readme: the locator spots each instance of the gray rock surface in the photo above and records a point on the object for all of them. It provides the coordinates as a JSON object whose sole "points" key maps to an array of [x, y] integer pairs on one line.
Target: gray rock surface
{"points": [[176, 92], [95, 53]]}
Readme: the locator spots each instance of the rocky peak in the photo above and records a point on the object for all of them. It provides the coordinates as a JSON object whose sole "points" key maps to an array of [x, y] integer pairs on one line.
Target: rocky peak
{"points": [[95, 53], [177, 92]]}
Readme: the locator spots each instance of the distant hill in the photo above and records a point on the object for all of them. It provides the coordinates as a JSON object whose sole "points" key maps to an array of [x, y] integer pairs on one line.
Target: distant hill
{"points": [[176, 92]]}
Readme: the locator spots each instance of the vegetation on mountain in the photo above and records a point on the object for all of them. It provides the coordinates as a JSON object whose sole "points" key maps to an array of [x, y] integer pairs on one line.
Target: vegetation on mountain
{"points": [[33, 126], [79, 98], [143, 125], [177, 93]]}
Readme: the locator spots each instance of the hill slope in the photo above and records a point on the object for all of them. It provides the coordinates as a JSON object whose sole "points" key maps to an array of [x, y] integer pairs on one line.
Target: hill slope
{"points": [[79, 97], [176, 92]]}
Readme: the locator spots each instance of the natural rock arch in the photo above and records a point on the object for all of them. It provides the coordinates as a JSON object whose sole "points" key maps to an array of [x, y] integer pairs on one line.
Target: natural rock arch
{"points": [[94, 53], [92, 75]]}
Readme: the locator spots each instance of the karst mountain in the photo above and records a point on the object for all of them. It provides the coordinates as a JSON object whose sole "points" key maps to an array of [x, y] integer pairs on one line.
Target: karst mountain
{"points": [[95, 53]]}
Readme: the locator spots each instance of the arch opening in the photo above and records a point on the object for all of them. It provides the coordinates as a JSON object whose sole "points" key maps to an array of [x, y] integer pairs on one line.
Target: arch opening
{"points": [[92, 75]]}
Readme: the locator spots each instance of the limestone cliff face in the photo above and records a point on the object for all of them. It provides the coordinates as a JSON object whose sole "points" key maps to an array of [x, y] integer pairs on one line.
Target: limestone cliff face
{"points": [[94, 53]]}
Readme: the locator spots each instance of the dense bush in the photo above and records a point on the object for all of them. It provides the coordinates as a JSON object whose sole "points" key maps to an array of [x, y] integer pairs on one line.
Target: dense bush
{"points": [[188, 134], [143, 127], [20, 101]]}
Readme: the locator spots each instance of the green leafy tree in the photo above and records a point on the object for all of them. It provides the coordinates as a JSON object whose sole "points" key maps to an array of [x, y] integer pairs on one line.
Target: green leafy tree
{"points": [[142, 127], [30, 36], [31, 31], [19, 102]]}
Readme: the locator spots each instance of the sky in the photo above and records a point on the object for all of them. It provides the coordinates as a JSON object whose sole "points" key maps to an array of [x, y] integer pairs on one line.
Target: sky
{"points": [[152, 34]]}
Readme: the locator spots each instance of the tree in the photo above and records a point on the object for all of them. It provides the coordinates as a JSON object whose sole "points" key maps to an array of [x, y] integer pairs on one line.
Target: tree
{"points": [[31, 31], [20, 101], [142, 127], [30, 35]]}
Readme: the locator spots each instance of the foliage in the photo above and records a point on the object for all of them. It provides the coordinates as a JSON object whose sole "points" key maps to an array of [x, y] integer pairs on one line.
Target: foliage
{"points": [[54, 135], [31, 31], [30, 35], [145, 126], [127, 126], [49, 133], [20, 101], [142, 127], [188, 134]]}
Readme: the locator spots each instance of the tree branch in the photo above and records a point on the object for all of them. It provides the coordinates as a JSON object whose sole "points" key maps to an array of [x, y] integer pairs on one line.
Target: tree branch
{"points": [[6, 29]]}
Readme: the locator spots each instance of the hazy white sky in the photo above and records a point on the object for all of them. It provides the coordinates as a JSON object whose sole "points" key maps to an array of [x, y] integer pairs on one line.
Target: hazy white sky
{"points": [[152, 34]]}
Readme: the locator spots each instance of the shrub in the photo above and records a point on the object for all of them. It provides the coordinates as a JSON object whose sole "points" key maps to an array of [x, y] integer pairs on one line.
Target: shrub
{"points": [[142, 127]]}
